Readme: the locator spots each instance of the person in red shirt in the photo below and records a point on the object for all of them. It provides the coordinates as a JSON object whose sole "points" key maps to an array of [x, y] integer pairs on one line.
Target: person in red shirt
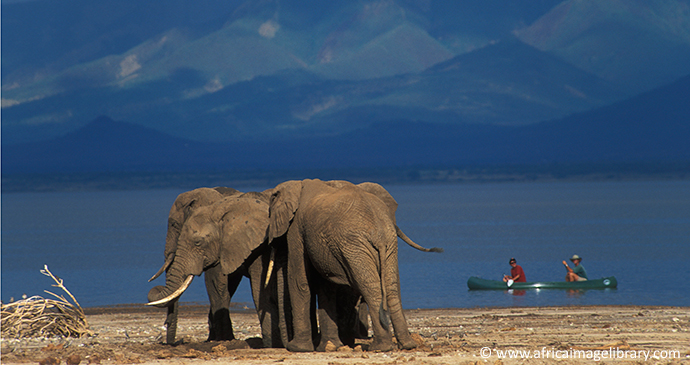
{"points": [[516, 273]]}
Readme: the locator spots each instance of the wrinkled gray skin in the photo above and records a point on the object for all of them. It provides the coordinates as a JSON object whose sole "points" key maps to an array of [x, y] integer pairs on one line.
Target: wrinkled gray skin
{"points": [[339, 234], [222, 236]]}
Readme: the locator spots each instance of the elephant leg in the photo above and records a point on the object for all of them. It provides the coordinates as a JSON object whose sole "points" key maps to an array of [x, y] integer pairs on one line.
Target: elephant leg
{"points": [[171, 322], [402, 333], [261, 302], [284, 322], [220, 289], [369, 284], [300, 294], [328, 314], [348, 317], [362, 325], [266, 301]]}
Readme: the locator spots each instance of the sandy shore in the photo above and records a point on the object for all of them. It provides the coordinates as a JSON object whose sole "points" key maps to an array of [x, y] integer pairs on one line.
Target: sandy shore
{"points": [[630, 334]]}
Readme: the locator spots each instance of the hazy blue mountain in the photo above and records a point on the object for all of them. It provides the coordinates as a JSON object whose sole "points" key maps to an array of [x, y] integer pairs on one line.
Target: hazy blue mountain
{"points": [[43, 37], [650, 128], [640, 44], [102, 145], [62, 46], [64, 63], [482, 82], [506, 83]]}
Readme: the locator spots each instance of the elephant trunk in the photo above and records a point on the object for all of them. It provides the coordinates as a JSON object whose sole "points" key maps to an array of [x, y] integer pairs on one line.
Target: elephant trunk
{"points": [[176, 282], [164, 302], [177, 278]]}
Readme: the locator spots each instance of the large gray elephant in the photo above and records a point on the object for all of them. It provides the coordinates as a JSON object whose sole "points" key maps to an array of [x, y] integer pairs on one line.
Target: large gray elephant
{"points": [[220, 326], [349, 237], [352, 322], [226, 240]]}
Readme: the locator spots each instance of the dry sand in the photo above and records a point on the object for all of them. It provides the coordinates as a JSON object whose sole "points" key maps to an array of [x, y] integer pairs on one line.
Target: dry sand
{"points": [[636, 334]]}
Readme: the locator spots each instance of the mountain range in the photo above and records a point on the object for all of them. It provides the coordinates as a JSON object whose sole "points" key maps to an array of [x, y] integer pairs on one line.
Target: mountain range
{"points": [[176, 85], [650, 128]]}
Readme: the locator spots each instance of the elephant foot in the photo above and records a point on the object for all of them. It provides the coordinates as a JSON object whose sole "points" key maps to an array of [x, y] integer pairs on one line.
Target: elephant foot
{"points": [[329, 346], [301, 346], [219, 337], [381, 346], [236, 344], [408, 344]]}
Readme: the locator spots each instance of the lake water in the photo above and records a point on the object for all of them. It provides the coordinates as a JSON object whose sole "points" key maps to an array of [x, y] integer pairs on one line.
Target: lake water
{"points": [[106, 244]]}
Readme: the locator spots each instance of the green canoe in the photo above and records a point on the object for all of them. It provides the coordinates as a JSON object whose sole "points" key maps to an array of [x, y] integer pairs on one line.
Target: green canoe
{"points": [[475, 283]]}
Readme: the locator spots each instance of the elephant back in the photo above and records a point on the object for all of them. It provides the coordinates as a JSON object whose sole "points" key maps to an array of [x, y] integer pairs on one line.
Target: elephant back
{"points": [[225, 191], [339, 184], [261, 197], [383, 194]]}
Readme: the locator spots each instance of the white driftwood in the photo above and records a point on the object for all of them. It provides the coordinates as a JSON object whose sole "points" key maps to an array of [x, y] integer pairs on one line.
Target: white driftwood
{"points": [[40, 317]]}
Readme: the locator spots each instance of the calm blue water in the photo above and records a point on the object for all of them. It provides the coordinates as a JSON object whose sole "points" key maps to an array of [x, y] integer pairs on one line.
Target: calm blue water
{"points": [[106, 245]]}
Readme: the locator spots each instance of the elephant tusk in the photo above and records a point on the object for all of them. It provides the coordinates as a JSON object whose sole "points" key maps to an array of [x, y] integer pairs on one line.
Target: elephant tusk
{"points": [[167, 263], [269, 271], [175, 294]]}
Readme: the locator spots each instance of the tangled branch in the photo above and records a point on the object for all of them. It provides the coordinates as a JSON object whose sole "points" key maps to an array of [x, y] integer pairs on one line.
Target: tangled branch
{"points": [[40, 317]]}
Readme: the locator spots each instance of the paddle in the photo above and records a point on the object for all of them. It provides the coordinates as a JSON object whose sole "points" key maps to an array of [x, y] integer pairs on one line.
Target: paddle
{"points": [[509, 283]]}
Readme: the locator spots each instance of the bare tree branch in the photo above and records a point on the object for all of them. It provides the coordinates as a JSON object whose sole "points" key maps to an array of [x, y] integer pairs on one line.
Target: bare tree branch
{"points": [[40, 317]]}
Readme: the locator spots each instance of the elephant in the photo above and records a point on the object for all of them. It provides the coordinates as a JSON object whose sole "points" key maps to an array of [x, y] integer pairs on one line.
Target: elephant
{"points": [[340, 234], [353, 323], [220, 327], [226, 240]]}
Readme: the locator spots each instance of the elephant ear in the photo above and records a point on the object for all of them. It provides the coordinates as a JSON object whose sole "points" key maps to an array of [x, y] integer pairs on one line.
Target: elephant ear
{"points": [[243, 225], [282, 207], [381, 193]]}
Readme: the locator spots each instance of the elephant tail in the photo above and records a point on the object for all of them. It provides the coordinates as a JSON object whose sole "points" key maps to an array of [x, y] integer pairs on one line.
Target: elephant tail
{"points": [[407, 240], [383, 312]]}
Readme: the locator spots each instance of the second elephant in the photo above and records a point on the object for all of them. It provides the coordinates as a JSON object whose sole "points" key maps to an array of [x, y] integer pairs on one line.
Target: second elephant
{"points": [[349, 237]]}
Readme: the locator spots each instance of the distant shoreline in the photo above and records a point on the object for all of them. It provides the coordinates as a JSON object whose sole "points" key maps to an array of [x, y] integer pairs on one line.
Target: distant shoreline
{"points": [[199, 308], [103, 181], [187, 307]]}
